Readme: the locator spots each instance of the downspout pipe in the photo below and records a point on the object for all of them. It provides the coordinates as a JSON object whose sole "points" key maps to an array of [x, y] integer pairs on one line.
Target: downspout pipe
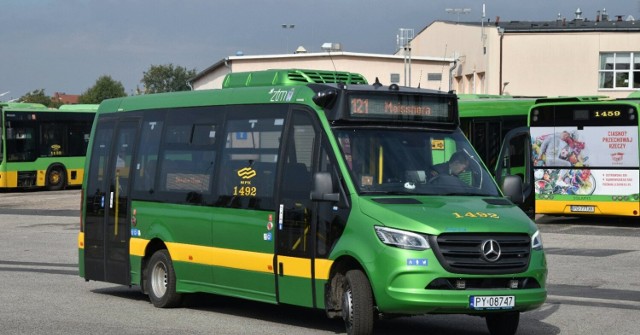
{"points": [[451, 69]]}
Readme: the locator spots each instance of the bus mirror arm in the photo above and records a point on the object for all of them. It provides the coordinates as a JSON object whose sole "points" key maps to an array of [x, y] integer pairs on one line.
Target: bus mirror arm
{"points": [[323, 188], [512, 189]]}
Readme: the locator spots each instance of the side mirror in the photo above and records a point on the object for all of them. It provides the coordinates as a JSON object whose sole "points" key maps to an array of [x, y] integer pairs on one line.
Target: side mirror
{"points": [[512, 189], [323, 188]]}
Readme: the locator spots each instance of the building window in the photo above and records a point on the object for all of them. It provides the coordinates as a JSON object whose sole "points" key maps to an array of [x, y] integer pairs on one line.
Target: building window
{"points": [[620, 70], [434, 76]]}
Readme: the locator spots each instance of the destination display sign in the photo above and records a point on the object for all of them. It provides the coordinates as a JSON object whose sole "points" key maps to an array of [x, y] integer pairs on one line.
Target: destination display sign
{"points": [[402, 107]]}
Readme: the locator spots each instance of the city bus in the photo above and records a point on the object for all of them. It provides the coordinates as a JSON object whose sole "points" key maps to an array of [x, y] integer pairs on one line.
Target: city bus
{"points": [[307, 188], [585, 156], [486, 120], [43, 147]]}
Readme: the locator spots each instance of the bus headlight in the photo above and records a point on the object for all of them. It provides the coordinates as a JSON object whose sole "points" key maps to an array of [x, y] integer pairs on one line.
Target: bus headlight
{"points": [[401, 238], [536, 241]]}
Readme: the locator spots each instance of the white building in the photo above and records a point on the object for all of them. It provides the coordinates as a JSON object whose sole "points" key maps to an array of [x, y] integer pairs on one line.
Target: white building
{"points": [[561, 57], [428, 72]]}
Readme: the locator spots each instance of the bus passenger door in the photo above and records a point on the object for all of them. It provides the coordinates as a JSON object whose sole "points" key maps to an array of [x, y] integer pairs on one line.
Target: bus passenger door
{"points": [[515, 159], [296, 215], [107, 221]]}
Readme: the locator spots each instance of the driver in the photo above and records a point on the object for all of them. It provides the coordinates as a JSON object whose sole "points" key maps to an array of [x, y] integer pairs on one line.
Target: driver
{"points": [[457, 164]]}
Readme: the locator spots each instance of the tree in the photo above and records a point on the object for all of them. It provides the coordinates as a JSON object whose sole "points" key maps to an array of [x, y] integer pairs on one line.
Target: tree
{"points": [[166, 78], [104, 88], [37, 96]]}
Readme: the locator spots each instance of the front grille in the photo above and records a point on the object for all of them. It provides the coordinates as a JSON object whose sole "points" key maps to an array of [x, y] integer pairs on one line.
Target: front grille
{"points": [[462, 253]]}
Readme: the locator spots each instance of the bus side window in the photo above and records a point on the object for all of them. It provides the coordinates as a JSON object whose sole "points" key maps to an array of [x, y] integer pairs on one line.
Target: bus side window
{"points": [[252, 138], [148, 156], [186, 164]]}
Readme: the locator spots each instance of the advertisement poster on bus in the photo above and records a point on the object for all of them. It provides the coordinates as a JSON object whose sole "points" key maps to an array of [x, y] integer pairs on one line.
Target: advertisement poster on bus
{"points": [[586, 182], [588, 161]]}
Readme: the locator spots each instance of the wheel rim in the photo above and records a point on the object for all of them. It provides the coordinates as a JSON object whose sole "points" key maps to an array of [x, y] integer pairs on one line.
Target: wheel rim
{"points": [[54, 177], [159, 279], [347, 307]]}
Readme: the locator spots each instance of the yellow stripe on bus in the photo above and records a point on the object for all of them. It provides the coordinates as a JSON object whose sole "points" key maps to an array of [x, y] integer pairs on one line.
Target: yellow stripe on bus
{"points": [[41, 180], [600, 208], [10, 179], [137, 246], [237, 259]]}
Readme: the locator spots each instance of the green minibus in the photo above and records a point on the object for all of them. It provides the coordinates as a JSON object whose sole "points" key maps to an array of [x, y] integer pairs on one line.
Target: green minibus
{"points": [[307, 188]]}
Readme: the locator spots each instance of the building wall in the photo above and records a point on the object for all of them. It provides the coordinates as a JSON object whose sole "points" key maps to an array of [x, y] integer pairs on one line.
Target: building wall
{"points": [[370, 66], [473, 73], [212, 79], [533, 63], [552, 64]]}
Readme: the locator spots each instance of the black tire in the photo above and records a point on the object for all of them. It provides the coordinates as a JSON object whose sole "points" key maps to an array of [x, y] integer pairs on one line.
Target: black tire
{"points": [[161, 281], [503, 323], [357, 304], [56, 178]]}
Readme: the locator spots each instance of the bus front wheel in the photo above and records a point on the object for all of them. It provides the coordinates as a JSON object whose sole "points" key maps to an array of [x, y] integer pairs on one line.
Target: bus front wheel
{"points": [[55, 178], [162, 281], [357, 303], [503, 323]]}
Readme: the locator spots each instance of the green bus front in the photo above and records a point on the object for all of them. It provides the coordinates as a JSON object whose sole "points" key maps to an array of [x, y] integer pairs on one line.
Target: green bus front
{"points": [[307, 188], [42, 147]]}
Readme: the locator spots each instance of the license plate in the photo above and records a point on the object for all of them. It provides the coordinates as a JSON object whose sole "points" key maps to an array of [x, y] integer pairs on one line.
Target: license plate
{"points": [[492, 302], [583, 209]]}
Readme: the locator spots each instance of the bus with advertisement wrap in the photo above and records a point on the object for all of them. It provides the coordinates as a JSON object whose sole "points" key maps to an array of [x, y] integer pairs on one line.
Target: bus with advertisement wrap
{"points": [[43, 147], [308, 188], [585, 156]]}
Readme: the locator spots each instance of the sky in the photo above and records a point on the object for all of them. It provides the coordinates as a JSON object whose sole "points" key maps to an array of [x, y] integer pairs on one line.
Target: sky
{"points": [[66, 45]]}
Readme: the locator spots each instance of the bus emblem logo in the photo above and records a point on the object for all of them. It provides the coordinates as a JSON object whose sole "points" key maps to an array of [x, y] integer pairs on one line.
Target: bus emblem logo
{"points": [[491, 250], [246, 173]]}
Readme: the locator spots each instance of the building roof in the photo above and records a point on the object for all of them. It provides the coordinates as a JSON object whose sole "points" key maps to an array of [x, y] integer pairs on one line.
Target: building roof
{"points": [[559, 26], [569, 26], [334, 54], [65, 98]]}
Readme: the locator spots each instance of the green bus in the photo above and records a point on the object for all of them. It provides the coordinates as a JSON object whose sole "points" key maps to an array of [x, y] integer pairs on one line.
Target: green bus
{"points": [[42, 147], [585, 155], [486, 120], [309, 188]]}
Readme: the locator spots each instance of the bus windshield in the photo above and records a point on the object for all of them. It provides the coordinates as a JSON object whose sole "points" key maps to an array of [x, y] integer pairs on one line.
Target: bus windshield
{"points": [[399, 161]]}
